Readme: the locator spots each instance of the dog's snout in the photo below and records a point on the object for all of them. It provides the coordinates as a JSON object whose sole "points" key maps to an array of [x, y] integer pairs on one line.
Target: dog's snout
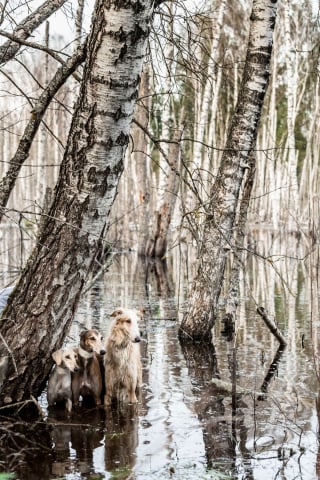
{"points": [[137, 339], [76, 369], [102, 351]]}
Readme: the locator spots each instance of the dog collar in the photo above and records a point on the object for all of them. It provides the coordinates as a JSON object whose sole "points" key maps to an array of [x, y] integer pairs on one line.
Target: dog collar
{"points": [[83, 353]]}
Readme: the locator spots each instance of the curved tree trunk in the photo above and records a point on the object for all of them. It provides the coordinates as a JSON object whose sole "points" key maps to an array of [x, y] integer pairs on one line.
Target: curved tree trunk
{"points": [[41, 309], [220, 216]]}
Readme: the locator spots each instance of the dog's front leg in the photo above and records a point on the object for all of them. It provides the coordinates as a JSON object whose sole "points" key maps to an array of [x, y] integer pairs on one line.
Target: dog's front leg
{"points": [[132, 393], [69, 405], [75, 387]]}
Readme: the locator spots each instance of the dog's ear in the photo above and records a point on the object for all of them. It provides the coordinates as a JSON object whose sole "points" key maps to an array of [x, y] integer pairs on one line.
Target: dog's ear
{"points": [[57, 357], [82, 334], [117, 312]]}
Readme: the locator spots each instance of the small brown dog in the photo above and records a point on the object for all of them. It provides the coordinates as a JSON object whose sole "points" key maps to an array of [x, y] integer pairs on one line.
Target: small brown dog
{"points": [[122, 361], [59, 385], [87, 382]]}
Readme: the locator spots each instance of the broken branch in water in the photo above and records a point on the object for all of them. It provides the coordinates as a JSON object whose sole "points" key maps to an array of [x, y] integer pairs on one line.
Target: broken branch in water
{"points": [[272, 326]]}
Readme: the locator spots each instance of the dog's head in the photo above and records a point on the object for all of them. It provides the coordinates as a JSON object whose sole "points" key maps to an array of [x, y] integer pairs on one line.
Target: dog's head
{"points": [[91, 341], [127, 322], [67, 358]]}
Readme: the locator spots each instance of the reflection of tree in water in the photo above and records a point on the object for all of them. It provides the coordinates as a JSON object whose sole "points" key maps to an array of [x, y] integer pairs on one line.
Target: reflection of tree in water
{"points": [[209, 405], [25, 448]]}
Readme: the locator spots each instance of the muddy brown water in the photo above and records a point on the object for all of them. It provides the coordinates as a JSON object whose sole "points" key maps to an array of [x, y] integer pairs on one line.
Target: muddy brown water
{"points": [[185, 426]]}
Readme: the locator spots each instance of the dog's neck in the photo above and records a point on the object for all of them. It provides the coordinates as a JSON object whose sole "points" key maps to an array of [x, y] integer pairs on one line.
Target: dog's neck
{"points": [[83, 353], [61, 370]]}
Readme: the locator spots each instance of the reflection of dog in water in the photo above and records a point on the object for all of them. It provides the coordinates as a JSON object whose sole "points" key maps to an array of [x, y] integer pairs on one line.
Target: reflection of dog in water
{"points": [[74, 440], [121, 439], [122, 361], [87, 382], [59, 385]]}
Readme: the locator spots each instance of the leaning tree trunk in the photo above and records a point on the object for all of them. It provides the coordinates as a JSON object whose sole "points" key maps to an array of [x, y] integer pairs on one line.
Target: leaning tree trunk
{"points": [[40, 312], [220, 216]]}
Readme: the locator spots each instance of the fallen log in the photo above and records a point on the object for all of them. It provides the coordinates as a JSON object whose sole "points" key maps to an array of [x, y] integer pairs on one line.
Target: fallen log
{"points": [[272, 326], [226, 388]]}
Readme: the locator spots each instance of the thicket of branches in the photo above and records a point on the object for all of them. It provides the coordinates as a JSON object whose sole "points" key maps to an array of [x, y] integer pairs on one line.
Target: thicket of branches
{"points": [[192, 73]]}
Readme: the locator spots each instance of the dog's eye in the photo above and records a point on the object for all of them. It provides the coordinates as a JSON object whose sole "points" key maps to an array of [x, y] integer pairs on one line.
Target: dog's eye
{"points": [[68, 357], [92, 338], [128, 321]]}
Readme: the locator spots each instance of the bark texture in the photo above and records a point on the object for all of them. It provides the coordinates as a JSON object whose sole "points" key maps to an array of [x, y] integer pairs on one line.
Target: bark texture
{"points": [[224, 196], [41, 308]]}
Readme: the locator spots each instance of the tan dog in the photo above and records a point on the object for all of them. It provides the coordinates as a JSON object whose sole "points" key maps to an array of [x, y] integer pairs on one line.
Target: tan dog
{"points": [[122, 361], [87, 382], [59, 385]]}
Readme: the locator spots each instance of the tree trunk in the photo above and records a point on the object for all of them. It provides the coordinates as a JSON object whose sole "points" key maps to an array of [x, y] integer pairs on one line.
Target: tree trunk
{"points": [[42, 307], [157, 244], [220, 216], [142, 161]]}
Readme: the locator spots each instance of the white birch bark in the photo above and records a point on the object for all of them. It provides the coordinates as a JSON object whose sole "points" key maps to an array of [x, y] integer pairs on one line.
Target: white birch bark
{"points": [[292, 196], [78, 24], [41, 157]]}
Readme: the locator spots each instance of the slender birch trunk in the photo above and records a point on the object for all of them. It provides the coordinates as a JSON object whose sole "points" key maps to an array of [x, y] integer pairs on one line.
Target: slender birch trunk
{"points": [[41, 157], [142, 161], [219, 223], [170, 161], [42, 307], [292, 194]]}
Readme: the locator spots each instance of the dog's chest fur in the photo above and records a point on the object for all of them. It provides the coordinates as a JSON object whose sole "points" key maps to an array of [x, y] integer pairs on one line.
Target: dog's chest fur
{"points": [[121, 360], [61, 383]]}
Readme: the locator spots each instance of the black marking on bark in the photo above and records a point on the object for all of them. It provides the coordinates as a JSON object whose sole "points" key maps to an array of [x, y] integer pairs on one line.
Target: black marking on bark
{"points": [[122, 139], [118, 114], [122, 53], [92, 174]]}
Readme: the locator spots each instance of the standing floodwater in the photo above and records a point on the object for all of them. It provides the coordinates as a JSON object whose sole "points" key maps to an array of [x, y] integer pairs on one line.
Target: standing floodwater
{"points": [[184, 426]]}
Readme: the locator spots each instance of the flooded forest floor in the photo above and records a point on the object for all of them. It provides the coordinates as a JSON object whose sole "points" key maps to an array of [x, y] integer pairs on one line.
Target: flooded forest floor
{"points": [[186, 424]]}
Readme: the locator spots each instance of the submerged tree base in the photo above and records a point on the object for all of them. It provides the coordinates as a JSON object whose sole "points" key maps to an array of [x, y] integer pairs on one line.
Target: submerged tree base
{"points": [[191, 331]]}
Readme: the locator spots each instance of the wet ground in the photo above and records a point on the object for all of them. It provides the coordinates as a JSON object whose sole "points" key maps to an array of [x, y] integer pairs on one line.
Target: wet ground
{"points": [[187, 426]]}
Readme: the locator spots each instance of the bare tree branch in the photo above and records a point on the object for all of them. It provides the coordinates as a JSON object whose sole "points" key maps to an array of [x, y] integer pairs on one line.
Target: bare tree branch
{"points": [[39, 109], [26, 27]]}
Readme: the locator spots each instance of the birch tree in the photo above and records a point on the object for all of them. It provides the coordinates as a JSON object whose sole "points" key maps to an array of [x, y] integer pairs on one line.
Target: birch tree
{"points": [[224, 196], [40, 310]]}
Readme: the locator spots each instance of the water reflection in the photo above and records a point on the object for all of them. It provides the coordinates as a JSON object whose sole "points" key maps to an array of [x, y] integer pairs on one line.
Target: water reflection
{"points": [[185, 426], [121, 440]]}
